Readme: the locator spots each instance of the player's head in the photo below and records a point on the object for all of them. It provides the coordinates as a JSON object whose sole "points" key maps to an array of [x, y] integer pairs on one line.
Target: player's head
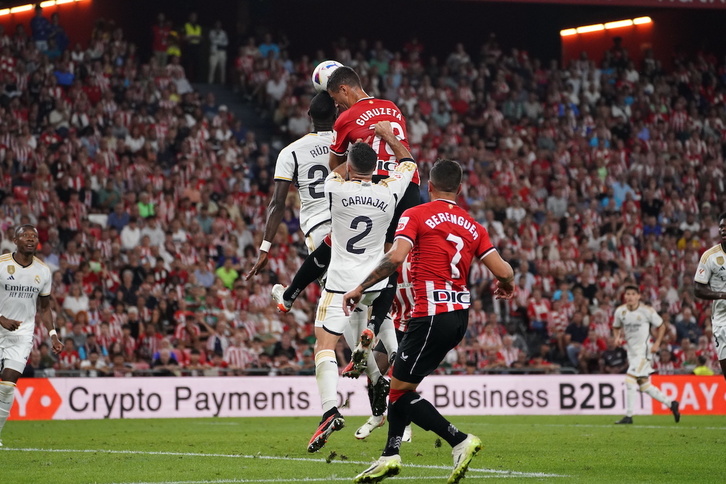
{"points": [[632, 294], [322, 111], [344, 86], [362, 159], [26, 239], [722, 224], [445, 176]]}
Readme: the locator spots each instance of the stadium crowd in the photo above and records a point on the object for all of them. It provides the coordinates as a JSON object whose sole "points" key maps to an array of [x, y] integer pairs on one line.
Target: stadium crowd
{"points": [[150, 199]]}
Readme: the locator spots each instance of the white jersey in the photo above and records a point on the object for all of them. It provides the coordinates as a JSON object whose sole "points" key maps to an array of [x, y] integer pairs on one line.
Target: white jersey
{"points": [[636, 326], [305, 163], [361, 213], [19, 290], [712, 272]]}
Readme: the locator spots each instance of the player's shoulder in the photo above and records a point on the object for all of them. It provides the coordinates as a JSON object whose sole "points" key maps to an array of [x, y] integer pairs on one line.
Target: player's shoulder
{"points": [[647, 308], [335, 180], [41, 264], [8, 257], [711, 252], [621, 310]]}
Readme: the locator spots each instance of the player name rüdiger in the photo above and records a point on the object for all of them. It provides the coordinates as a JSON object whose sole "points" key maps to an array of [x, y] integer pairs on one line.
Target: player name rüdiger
{"points": [[358, 200], [442, 217], [365, 116]]}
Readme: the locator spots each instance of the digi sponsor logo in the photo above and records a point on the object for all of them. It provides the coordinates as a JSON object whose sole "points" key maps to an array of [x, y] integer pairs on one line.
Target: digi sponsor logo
{"points": [[442, 296], [402, 222], [35, 399]]}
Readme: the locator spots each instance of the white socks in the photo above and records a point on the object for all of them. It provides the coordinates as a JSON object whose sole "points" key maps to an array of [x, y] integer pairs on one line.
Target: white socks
{"points": [[655, 393], [387, 334], [326, 374], [7, 394], [631, 387]]}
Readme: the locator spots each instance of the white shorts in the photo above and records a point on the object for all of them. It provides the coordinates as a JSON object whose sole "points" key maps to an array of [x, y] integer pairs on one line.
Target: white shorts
{"points": [[719, 339], [315, 237], [640, 367], [331, 317], [15, 351]]}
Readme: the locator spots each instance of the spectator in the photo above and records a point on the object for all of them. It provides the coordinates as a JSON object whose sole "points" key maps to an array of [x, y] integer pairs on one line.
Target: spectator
{"points": [[41, 29], [218, 53]]}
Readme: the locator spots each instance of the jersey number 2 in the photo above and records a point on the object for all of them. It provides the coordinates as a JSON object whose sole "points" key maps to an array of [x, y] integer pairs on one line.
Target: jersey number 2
{"points": [[317, 182], [350, 247]]}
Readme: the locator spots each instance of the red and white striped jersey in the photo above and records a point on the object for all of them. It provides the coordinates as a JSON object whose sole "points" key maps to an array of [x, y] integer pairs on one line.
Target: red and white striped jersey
{"points": [[445, 239], [358, 122], [403, 303]]}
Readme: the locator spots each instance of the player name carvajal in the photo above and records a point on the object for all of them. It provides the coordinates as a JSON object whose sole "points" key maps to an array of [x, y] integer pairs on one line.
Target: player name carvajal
{"points": [[365, 116], [442, 217], [358, 200]]}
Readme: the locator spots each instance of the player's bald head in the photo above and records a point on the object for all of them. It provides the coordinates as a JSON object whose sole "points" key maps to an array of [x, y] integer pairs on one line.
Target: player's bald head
{"points": [[362, 158], [446, 176], [21, 229]]}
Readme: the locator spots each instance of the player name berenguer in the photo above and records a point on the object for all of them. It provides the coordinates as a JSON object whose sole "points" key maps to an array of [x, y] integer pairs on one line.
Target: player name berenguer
{"points": [[442, 217]]}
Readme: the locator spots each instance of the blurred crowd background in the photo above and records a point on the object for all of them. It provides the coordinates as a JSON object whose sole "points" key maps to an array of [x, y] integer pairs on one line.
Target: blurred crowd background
{"points": [[150, 196]]}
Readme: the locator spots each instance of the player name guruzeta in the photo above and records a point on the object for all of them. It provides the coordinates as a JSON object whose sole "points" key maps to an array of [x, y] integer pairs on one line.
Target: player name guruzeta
{"points": [[358, 200], [371, 113]]}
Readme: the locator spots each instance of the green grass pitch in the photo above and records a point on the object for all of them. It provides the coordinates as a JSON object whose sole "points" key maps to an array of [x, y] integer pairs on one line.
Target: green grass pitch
{"points": [[273, 450]]}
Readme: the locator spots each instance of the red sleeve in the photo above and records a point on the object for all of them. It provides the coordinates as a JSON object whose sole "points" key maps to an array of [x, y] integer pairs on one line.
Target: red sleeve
{"points": [[485, 244], [408, 226], [341, 132]]}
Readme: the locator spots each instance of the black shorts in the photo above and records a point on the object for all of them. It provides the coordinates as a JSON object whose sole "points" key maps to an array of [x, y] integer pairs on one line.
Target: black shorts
{"points": [[411, 197], [426, 342]]}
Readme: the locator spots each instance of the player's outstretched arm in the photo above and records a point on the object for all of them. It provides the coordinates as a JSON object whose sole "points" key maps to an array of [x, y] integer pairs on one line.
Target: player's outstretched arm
{"points": [[384, 130], [388, 265], [503, 272], [275, 211], [46, 317], [702, 291]]}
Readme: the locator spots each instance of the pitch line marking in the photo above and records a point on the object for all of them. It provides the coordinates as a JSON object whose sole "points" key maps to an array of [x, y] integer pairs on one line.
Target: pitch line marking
{"points": [[674, 426], [497, 472], [310, 479]]}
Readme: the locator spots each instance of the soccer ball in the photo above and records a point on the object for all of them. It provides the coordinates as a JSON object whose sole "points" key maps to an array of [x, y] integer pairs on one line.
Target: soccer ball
{"points": [[322, 73]]}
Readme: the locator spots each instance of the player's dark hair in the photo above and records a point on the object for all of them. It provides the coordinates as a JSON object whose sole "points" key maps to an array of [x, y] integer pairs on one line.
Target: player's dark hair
{"points": [[343, 76], [446, 176], [322, 110], [363, 158], [632, 287], [722, 216]]}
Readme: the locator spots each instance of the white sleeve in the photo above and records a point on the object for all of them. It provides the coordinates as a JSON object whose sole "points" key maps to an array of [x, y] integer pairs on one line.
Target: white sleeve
{"points": [[285, 166], [401, 177], [655, 319], [703, 272], [46, 287]]}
